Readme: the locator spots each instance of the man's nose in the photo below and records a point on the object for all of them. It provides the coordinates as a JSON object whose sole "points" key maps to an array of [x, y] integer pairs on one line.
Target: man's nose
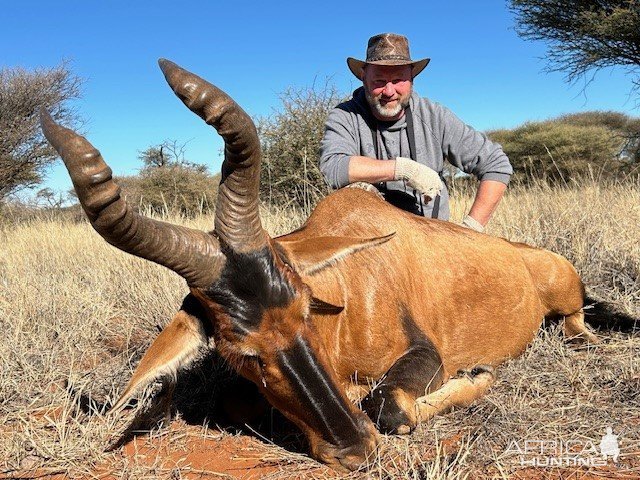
{"points": [[389, 89]]}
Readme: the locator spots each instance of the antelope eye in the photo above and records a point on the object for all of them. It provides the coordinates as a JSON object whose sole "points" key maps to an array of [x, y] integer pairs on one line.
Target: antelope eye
{"points": [[257, 359]]}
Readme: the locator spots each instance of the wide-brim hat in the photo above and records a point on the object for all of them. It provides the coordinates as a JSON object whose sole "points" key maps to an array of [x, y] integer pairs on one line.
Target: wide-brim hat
{"points": [[387, 49]]}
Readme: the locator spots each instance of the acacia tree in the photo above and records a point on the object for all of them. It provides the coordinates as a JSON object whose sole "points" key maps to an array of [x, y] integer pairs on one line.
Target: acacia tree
{"points": [[169, 153], [24, 152], [583, 35]]}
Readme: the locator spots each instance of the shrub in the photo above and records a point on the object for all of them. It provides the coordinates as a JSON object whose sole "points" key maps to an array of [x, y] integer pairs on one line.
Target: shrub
{"points": [[171, 189], [571, 146], [290, 140]]}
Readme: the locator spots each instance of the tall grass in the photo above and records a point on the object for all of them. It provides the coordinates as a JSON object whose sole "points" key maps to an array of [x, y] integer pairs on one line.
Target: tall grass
{"points": [[75, 314]]}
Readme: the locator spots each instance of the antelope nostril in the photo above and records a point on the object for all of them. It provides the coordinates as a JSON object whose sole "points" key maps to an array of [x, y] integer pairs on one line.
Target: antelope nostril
{"points": [[360, 455], [365, 451], [352, 463]]}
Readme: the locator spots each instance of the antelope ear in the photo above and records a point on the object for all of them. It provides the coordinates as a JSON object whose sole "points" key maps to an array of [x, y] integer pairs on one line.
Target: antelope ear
{"points": [[315, 254], [324, 308]]}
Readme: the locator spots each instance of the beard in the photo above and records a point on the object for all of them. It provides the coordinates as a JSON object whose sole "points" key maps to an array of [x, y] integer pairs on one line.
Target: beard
{"points": [[385, 110]]}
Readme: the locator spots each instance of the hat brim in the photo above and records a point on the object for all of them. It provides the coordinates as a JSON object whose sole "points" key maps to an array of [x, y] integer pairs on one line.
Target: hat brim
{"points": [[356, 66]]}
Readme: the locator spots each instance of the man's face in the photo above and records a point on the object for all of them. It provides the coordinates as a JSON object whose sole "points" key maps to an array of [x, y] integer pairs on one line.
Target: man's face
{"points": [[388, 89]]}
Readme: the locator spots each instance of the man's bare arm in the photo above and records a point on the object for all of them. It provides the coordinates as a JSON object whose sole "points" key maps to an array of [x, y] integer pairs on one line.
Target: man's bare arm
{"points": [[488, 196], [365, 169]]}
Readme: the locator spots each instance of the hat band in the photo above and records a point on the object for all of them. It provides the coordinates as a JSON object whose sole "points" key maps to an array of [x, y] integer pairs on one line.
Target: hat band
{"points": [[389, 57]]}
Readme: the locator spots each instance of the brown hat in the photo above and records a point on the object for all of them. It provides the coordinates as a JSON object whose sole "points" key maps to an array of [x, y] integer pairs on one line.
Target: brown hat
{"points": [[387, 49]]}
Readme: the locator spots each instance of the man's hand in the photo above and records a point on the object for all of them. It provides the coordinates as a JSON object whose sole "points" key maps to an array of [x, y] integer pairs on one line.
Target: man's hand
{"points": [[419, 177]]}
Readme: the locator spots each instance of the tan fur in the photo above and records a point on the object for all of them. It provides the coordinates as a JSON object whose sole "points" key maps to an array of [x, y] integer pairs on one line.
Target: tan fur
{"points": [[176, 347], [383, 281], [407, 403]]}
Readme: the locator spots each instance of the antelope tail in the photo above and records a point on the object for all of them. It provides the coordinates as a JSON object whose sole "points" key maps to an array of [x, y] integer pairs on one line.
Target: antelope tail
{"points": [[606, 316]]}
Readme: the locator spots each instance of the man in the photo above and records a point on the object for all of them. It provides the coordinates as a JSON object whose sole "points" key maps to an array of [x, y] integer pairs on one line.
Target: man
{"points": [[389, 136]]}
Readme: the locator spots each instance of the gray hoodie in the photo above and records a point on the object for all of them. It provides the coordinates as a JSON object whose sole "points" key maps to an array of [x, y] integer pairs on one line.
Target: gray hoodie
{"points": [[439, 135]]}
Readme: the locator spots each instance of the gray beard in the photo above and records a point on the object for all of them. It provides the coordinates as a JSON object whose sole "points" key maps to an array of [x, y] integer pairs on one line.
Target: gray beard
{"points": [[388, 112]]}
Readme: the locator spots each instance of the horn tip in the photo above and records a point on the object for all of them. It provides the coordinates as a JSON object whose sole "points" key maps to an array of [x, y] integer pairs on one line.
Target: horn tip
{"points": [[47, 123], [45, 117], [167, 66]]}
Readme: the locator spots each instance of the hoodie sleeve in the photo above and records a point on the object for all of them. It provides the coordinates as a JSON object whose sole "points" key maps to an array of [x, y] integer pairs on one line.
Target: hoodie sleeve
{"points": [[471, 151], [338, 144]]}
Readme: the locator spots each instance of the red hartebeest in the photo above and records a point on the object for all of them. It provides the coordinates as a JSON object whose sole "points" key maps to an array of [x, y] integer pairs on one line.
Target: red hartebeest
{"points": [[362, 294]]}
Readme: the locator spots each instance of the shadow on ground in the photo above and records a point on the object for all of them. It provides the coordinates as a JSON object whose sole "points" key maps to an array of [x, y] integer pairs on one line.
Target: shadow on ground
{"points": [[208, 395]]}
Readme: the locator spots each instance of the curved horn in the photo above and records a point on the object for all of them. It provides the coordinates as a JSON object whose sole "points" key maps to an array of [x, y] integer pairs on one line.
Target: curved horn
{"points": [[237, 218], [191, 253]]}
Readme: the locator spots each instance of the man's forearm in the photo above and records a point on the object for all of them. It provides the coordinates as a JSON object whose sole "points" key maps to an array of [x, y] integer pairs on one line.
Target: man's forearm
{"points": [[488, 196], [365, 169]]}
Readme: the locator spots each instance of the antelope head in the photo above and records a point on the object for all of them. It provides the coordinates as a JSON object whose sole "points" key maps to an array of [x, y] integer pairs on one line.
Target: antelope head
{"points": [[256, 303]]}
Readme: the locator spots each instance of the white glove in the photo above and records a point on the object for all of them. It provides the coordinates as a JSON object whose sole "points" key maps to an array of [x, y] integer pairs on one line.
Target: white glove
{"points": [[418, 176], [472, 223]]}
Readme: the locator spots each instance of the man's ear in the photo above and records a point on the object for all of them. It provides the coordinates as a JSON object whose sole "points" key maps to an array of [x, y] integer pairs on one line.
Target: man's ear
{"points": [[324, 308], [312, 255]]}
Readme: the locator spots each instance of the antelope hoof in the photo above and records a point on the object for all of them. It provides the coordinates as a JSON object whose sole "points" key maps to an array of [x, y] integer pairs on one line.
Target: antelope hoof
{"points": [[584, 339], [403, 430], [478, 371], [382, 407]]}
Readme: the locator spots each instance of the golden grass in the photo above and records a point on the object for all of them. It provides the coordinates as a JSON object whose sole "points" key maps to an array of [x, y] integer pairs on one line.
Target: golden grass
{"points": [[76, 314]]}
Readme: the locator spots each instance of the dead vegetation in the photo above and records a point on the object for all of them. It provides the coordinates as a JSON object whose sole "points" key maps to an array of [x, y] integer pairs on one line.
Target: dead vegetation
{"points": [[76, 314]]}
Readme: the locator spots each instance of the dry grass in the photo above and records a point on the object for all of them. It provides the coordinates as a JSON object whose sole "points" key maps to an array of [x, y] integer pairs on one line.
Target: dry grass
{"points": [[76, 314]]}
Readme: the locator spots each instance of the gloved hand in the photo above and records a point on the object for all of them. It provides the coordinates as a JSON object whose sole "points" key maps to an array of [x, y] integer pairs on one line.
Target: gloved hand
{"points": [[418, 176], [472, 223]]}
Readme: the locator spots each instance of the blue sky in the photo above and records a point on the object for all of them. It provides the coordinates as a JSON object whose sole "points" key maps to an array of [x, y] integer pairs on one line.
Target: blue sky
{"points": [[479, 67]]}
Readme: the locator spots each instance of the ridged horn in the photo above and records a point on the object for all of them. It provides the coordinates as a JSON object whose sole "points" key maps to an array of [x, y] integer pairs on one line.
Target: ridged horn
{"points": [[237, 221], [193, 254]]}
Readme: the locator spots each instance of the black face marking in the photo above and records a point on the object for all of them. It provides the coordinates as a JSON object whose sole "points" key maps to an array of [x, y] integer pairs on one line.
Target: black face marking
{"points": [[250, 283], [417, 372], [328, 411]]}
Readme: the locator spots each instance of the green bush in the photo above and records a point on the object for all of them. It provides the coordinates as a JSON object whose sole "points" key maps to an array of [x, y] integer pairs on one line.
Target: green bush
{"points": [[624, 128], [572, 146]]}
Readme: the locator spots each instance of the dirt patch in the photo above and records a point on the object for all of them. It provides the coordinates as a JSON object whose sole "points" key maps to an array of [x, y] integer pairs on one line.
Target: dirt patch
{"points": [[195, 454], [187, 451]]}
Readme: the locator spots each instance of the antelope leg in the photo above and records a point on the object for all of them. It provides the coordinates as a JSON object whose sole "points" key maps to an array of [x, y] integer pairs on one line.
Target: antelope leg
{"points": [[460, 391], [575, 329], [176, 347]]}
